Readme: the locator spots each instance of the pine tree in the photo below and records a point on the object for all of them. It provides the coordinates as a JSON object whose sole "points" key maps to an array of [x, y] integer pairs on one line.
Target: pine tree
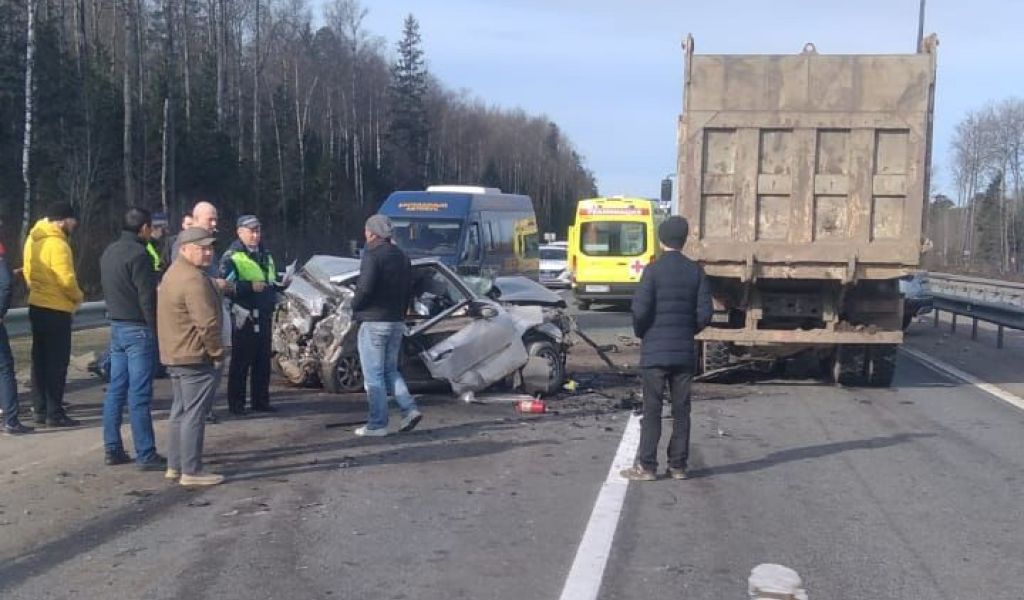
{"points": [[409, 131]]}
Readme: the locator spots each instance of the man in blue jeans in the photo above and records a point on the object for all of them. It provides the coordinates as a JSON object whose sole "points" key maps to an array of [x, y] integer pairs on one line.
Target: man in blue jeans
{"points": [[129, 287], [382, 298], [8, 384]]}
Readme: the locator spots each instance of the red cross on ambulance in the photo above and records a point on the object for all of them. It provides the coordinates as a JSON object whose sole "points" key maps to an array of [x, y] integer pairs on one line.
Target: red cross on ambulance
{"points": [[637, 267]]}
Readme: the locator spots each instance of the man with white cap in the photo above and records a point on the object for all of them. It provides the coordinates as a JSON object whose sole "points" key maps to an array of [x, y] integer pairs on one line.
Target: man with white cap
{"points": [[250, 267], [382, 298]]}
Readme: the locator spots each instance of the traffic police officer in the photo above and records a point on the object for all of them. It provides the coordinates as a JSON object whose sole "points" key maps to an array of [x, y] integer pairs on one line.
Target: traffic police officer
{"points": [[248, 265], [157, 241]]}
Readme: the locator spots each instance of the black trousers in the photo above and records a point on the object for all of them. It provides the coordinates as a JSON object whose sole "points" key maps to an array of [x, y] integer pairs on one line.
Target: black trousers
{"points": [[678, 380], [250, 360], [51, 353]]}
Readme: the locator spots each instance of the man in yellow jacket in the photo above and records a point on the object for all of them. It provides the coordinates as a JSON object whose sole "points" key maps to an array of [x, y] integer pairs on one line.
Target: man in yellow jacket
{"points": [[49, 270]]}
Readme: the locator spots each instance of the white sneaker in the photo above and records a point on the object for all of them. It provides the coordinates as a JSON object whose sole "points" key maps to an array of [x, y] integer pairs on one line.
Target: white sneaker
{"points": [[200, 479], [411, 420], [364, 432]]}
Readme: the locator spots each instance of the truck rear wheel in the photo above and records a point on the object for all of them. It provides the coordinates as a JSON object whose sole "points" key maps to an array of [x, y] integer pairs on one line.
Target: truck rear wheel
{"points": [[849, 368], [714, 356], [881, 365]]}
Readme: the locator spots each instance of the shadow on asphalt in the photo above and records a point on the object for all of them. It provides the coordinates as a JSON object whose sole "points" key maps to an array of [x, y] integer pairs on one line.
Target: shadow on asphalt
{"points": [[408, 454], [807, 452]]}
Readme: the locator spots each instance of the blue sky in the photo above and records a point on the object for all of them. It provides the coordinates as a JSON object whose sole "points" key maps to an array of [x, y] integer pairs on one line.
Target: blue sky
{"points": [[610, 72]]}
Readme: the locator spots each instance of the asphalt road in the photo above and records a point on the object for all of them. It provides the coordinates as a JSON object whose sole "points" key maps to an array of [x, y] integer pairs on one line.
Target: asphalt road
{"points": [[908, 493]]}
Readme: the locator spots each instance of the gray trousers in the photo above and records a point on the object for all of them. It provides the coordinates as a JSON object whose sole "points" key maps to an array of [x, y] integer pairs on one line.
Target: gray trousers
{"points": [[193, 388]]}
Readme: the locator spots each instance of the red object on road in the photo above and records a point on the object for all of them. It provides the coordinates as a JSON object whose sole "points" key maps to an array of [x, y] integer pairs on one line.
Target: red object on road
{"points": [[531, 406]]}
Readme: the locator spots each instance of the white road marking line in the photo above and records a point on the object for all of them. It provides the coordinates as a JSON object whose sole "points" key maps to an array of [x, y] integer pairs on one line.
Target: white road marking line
{"points": [[584, 580], [951, 371]]}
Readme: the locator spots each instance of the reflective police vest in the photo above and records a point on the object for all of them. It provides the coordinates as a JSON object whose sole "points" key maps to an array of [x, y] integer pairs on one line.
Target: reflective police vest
{"points": [[246, 269], [154, 256]]}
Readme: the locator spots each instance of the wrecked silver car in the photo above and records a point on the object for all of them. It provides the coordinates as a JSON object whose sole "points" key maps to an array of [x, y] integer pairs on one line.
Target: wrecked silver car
{"points": [[470, 333]]}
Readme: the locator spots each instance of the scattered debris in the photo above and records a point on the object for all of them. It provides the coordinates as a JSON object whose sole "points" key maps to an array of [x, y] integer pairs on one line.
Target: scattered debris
{"points": [[600, 350], [198, 503], [628, 340], [531, 406], [141, 493]]}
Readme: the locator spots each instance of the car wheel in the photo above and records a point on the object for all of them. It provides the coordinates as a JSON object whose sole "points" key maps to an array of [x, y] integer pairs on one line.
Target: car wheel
{"points": [[555, 360], [583, 304], [345, 376]]}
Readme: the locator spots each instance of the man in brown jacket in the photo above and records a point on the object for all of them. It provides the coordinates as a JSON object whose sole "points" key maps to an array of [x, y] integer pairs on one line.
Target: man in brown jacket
{"points": [[189, 324]]}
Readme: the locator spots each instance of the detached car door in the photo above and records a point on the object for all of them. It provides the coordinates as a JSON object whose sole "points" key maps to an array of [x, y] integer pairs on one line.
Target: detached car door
{"points": [[473, 343]]}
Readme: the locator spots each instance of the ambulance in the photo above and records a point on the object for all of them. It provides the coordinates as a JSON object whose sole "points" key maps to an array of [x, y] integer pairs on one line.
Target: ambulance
{"points": [[610, 243]]}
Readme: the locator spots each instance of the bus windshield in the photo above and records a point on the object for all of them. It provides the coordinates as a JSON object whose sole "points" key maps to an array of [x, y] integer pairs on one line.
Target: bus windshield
{"points": [[435, 237]]}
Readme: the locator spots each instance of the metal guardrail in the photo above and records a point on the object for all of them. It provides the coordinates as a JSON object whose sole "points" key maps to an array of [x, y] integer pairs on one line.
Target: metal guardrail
{"points": [[1000, 303], [88, 316]]}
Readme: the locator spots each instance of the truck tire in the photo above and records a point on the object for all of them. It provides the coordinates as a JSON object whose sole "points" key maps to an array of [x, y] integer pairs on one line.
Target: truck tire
{"points": [[881, 366], [849, 368], [343, 377], [714, 356]]}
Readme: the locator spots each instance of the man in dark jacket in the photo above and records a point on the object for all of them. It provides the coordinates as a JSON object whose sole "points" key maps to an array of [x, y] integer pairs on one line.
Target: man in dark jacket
{"points": [[381, 300], [8, 384], [671, 306], [129, 288], [250, 267]]}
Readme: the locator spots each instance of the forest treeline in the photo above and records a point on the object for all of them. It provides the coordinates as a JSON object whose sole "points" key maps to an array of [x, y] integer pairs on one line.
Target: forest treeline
{"points": [[256, 105]]}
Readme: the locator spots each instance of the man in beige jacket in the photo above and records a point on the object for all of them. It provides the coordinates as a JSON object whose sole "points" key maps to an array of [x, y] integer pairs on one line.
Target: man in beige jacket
{"points": [[189, 325]]}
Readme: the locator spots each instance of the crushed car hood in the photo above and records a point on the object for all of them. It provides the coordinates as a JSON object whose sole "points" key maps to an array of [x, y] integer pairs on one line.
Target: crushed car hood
{"points": [[516, 289]]}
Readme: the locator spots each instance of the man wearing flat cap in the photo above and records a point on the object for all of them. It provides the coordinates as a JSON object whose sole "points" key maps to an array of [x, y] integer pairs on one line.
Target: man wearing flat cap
{"points": [[188, 314], [671, 305], [250, 267]]}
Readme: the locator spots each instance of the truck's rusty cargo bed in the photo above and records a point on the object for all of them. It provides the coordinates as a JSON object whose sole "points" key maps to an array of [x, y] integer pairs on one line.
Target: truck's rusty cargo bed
{"points": [[806, 166]]}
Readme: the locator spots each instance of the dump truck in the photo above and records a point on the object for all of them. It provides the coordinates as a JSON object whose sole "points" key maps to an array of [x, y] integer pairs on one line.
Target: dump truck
{"points": [[804, 178]]}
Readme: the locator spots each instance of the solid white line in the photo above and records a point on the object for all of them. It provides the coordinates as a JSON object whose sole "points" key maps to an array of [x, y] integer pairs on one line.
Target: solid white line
{"points": [[584, 580], [951, 371]]}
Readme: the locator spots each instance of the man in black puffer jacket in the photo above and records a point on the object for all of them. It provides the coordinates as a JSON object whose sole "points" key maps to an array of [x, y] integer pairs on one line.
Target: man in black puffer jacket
{"points": [[671, 306]]}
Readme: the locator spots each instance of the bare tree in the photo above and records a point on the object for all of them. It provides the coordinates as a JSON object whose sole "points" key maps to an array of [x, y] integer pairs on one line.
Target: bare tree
{"points": [[26, 151], [128, 98]]}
